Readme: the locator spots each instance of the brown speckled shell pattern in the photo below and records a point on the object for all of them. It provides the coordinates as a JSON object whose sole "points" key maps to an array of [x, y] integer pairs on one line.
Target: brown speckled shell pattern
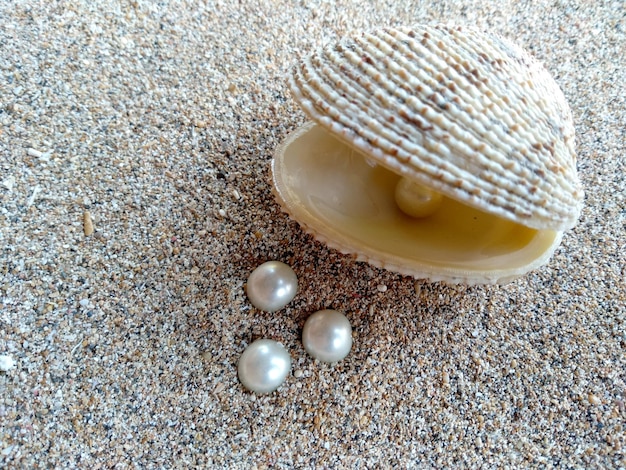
{"points": [[464, 112]]}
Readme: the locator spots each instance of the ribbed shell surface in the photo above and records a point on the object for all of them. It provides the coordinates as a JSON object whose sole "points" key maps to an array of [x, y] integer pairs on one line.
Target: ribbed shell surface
{"points": [[464, 112]]}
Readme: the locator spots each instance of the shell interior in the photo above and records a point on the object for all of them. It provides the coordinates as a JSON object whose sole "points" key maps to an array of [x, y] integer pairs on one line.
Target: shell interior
{"points": [[347, 202]]}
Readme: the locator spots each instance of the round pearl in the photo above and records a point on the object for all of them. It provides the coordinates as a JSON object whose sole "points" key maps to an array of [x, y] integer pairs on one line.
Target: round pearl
{"points": [[271, 286], [263, 366], [415, 199], [327, 335]]}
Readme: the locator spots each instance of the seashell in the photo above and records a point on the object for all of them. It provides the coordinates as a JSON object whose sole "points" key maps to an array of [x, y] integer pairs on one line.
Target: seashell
{"points": [[437, 152]]}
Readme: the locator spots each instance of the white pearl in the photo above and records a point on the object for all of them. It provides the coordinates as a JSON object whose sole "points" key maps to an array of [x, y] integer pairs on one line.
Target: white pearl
{"points": [[327, 335], [263, 366], [271, 286], [415, 199]]}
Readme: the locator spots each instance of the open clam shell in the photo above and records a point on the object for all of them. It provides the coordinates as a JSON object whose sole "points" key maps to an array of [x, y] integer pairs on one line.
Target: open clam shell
{"points": [[465, 114]]}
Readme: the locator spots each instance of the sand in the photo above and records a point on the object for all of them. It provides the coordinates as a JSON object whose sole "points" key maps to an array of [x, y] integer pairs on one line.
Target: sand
{"points": [[135, 146]]}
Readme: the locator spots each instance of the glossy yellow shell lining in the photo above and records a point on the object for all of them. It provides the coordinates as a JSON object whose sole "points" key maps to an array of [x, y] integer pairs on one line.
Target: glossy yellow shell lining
{"points": [[349, 204]]}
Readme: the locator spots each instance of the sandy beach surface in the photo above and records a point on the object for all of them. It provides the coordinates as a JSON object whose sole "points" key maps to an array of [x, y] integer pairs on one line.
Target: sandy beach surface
{"points": [[135, 147]]}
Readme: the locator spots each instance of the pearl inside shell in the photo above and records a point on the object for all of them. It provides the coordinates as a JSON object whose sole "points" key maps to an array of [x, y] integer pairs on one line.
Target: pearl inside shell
{"points": [[271, 286], [263, 366], [327, 336], [415, 199]]}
